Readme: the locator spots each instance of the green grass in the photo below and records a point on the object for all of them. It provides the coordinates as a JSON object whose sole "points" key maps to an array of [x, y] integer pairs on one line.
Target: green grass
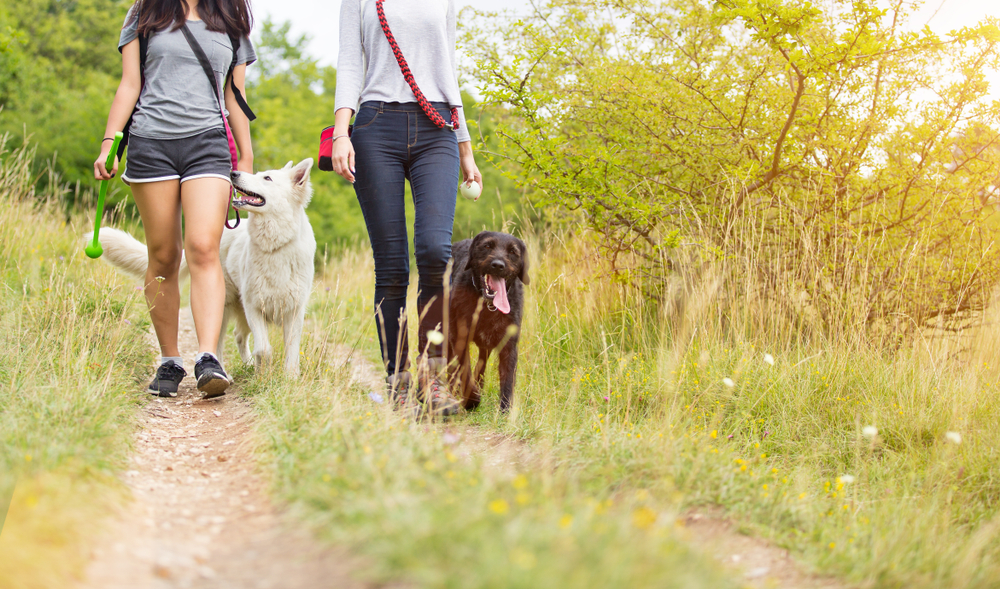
{"points": [[623, 411], [73, 339], [630, 423]]}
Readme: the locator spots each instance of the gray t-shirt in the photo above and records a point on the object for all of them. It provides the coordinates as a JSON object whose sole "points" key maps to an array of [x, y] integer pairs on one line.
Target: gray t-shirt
{"points": [[176, 99], [368, 70]]}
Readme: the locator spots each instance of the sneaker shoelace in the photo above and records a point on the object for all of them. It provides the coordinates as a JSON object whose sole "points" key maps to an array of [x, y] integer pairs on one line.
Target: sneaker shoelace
{"points": [[169, 370], [438, 391]]}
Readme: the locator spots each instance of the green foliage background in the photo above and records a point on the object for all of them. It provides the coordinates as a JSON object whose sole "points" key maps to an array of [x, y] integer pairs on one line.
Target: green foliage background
{"points": [[836, 139], [59, 69]]}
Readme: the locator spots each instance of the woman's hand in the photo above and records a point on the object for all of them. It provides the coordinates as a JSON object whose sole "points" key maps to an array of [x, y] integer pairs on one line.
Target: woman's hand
{"points": [[467, 161], [101, 171], [343, 157]]}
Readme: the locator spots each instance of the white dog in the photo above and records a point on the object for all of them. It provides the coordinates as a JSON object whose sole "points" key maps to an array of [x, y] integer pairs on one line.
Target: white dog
{"points": [[267, 260]]}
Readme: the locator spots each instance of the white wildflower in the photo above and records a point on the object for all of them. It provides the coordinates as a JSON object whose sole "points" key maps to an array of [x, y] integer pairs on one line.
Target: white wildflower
{"points": [[435, 337], [728, 382], [869, 431], [953, 437], [846, 479], [769, 359]]}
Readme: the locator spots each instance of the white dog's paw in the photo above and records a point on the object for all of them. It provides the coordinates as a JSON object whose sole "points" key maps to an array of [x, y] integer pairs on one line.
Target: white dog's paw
{"points": [[261, 357]]}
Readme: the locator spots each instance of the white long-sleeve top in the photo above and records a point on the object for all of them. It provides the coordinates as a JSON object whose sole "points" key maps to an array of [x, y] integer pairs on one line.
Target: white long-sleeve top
{"points": [[367, 69]]}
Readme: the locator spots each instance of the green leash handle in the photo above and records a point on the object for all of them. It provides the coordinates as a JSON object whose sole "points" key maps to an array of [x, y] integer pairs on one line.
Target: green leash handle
{"points": [[94, 250]]}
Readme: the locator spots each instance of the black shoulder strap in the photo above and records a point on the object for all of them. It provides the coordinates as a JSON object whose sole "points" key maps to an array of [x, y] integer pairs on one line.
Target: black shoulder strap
{"points": [[240, 100], [202, 59], [143, 50]]}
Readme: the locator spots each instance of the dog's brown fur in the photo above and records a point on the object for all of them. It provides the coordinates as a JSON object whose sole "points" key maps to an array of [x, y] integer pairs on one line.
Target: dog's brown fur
{"points": [[503, 256]]}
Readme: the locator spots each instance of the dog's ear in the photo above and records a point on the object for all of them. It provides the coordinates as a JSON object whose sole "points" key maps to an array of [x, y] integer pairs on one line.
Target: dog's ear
{"points": [[300, 174], [523, 275], [472, 249], [288, 165]]}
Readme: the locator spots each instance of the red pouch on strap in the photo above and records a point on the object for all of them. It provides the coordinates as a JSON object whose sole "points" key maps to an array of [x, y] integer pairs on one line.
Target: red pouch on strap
{"points": [[325, 158]]}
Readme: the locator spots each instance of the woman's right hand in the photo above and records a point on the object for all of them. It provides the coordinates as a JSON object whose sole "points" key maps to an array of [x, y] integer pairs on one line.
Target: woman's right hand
{"points": [[100, 166], [343, 158]]}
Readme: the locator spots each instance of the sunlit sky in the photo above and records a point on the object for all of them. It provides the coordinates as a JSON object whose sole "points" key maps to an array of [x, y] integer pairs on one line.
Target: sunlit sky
{"points": [[319, 18]]}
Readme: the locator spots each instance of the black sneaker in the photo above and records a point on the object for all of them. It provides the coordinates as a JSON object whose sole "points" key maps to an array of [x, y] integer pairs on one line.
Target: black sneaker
{"points": [[168, 377], [212, 379]]}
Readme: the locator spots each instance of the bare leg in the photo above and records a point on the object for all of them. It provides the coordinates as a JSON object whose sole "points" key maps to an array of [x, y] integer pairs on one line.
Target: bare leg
{"points": [[159, 206], [205, 202]]}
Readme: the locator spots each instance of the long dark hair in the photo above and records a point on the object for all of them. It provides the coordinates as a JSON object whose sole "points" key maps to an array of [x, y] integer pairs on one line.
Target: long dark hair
{"points": [[231, 17]]}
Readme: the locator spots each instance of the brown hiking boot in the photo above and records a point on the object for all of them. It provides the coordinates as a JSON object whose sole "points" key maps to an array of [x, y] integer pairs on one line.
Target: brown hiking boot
{"points": [[399, 388], [433, 390]]}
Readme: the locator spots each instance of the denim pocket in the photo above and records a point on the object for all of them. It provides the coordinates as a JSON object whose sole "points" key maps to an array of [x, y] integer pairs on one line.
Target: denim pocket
{"points": [[365, 117]]}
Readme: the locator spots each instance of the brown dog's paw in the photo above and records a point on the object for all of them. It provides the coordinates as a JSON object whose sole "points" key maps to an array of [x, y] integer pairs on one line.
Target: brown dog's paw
{"points": [[472, 398]]}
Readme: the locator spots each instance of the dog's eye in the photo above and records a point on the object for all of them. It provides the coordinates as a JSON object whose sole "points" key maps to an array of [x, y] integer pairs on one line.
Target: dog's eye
{"points": [[488, 245], [513, 252], [268, 178]]}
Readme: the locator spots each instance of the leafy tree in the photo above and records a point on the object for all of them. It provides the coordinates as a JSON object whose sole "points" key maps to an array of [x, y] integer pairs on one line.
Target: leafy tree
{"points": [[856, 158], [58, 72]]}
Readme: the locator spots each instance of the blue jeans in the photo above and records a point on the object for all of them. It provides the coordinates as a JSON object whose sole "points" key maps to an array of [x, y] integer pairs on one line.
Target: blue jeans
{"points": [[394, 142]]}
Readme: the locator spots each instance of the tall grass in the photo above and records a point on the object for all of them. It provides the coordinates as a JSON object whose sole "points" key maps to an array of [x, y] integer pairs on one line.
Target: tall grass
{"points": [[72, 346], [411, 495], [725, 393]]}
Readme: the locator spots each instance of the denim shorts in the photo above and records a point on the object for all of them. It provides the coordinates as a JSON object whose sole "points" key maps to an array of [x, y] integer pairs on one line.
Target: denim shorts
{"points": [[205, 155]]}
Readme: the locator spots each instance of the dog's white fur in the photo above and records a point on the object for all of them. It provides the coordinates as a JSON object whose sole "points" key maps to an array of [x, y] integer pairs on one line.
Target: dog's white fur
{"points": [[267, 261]]}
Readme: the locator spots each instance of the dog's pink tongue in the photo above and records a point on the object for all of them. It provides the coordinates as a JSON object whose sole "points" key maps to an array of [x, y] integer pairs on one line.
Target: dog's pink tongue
{"points": [[499, 285]]}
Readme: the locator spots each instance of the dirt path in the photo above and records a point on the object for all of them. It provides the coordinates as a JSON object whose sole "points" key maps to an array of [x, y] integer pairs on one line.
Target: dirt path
{"points": [[200, 515], [761, 564]]}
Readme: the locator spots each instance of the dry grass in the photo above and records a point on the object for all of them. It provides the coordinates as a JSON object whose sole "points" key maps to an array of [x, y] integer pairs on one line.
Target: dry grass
{"points": [[635, 411], [72, 347]]}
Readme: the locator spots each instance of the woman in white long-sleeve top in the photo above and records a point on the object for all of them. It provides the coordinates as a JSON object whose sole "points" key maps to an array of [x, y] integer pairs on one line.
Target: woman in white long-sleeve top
{"points": [[405, 129]]}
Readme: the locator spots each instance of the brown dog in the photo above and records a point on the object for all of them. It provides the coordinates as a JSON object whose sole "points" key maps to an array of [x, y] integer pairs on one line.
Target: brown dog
{"points": [[487, 299]]}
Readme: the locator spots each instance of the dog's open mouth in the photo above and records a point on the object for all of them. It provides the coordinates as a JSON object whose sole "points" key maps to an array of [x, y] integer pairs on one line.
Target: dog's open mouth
{"points": [[495, 290], [246, 198]]}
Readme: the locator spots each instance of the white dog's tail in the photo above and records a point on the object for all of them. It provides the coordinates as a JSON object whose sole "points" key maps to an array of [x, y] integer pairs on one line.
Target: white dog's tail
{"points": [[126, 253]]}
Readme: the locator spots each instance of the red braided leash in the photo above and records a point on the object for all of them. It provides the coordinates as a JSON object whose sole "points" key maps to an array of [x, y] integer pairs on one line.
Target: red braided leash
{"points": [[408, 76]]}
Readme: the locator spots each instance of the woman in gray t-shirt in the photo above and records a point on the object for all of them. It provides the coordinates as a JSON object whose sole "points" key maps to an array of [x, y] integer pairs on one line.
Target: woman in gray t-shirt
{"points": [[179, 161]]}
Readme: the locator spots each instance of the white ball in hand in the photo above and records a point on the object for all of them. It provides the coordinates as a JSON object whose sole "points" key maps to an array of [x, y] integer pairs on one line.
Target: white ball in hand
{"points": [[471, 190]]}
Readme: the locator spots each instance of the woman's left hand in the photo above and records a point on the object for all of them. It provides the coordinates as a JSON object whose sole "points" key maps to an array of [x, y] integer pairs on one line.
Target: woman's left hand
{"points": [[245, 165], [468, 164]]}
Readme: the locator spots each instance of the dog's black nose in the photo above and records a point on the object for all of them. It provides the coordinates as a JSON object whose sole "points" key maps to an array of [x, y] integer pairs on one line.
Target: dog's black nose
{"points": [[497, 264], [234, 174]]}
